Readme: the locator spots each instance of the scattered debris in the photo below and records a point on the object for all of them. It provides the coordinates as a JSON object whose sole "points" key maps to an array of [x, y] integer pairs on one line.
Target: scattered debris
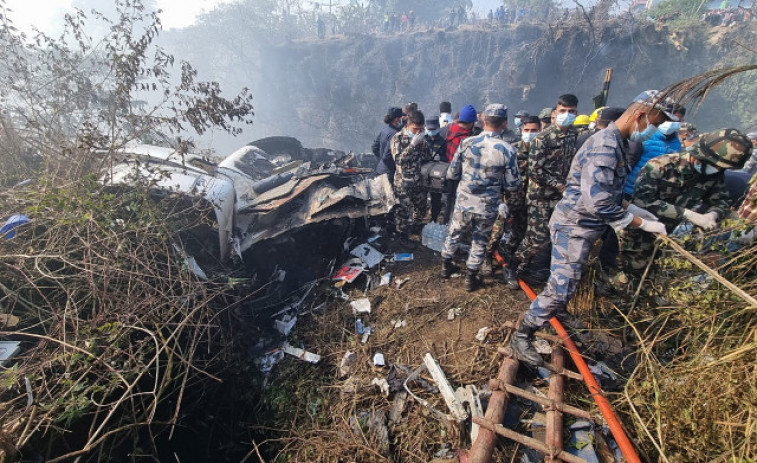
{"points": [[300, 353], [266, 362], [7, 350], [348, 362], [9, 229], [401, 281], [370, 256], [361, 306], [403, 257], [349, 271], [469, 395], [378, 359], [372, 425], [398, 323], [367, 332], [452, 313], [285, 324], [482, 333], [454, 405], [386, 279], [382, 384]]}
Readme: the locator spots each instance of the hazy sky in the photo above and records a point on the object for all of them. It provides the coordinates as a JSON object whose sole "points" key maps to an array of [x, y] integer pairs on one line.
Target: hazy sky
{"points": [[44, 14]]}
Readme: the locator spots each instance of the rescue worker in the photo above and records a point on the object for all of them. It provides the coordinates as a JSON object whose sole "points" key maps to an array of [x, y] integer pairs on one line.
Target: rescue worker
{"points": [[438, 146], [516, 203], [548, 164], [601, 119], [518, 121], [456, 132], [675, 187], [409, 149], [592, 201], [509, 135], [485, 165], [381, 146], [665, 141], [545, 115]]}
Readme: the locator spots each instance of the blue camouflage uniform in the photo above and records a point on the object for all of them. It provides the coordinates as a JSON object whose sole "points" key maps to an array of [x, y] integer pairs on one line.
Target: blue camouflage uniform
{"points": [[592, 201], [485, 165]]}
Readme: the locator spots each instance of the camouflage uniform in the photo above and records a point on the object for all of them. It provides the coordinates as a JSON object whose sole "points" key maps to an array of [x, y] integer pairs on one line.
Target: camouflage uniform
{"points": [[666, 186], [516, 204], [484, 165], [548, 163], [438, 146], [592, 200], [412, 203]]}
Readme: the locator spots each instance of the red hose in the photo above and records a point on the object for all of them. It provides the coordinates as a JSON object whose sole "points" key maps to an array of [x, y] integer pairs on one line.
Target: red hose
{"points": [[626, 448]]}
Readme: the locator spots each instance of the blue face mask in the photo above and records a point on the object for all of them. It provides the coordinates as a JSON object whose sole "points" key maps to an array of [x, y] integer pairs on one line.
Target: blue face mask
{"points": [[432, 133], [641, 137], [668, 127], [565, 119], [528, 136]]}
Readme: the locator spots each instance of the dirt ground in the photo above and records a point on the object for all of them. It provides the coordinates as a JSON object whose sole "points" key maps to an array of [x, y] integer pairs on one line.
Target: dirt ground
{"points": [[407, 322]]}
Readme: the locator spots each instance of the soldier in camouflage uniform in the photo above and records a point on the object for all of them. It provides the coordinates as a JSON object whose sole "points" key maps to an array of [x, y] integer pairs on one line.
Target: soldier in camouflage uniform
{"points": [[672, 186], [516, 203], [485, 165], [438, 146], [548, 164], [592, 202], [409, 150]]}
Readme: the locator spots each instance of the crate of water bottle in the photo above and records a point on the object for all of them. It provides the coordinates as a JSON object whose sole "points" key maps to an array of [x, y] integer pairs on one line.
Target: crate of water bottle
{"points": [[433, 236]]}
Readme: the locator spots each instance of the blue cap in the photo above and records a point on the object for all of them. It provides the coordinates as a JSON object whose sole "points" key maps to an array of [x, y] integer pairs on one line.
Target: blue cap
{"points": [[653, 98], [468, 114], [496, 110]]}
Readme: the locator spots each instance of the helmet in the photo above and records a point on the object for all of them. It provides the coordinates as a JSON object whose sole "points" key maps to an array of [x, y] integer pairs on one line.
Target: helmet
{"points": [[546, 113], [724, 148], [581, 119], [595, 114]]}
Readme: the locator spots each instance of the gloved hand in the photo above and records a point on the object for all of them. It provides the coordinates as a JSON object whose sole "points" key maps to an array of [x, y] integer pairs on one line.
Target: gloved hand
{"points": [[641, 212], [503, 210], [706, 221], [652, 226], [417, 139]]}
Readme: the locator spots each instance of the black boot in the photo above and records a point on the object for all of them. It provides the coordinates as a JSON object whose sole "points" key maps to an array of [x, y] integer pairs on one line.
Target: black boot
{"points": [[471, 281], [576, 328], [448, 268], [522, 346]]}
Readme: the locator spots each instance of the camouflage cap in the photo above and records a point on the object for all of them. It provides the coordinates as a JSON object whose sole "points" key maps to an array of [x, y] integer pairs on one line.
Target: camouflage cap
{"points": [[724, 148], [654, 99], [522, 113], [496, 110], [546, 113]]}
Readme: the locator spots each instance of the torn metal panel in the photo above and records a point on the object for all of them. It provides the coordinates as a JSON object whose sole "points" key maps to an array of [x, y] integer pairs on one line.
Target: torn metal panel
{"points": [[311, 200]]}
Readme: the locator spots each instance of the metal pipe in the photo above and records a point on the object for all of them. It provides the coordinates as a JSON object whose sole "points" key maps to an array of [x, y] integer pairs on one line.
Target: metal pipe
{"points": [[525, 440], [626, 448], [553, 436], [547, 402], [563, 371], [483, 448]]}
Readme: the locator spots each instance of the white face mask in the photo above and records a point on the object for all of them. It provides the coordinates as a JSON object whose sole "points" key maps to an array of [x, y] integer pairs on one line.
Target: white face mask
{"points": [[565, 119], [528, 136], [709, 170], [592, 125], [668, 127]]}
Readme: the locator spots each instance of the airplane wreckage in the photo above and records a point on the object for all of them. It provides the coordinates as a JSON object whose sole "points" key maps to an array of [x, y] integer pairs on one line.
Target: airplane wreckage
{"points": [[261, 191]]}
